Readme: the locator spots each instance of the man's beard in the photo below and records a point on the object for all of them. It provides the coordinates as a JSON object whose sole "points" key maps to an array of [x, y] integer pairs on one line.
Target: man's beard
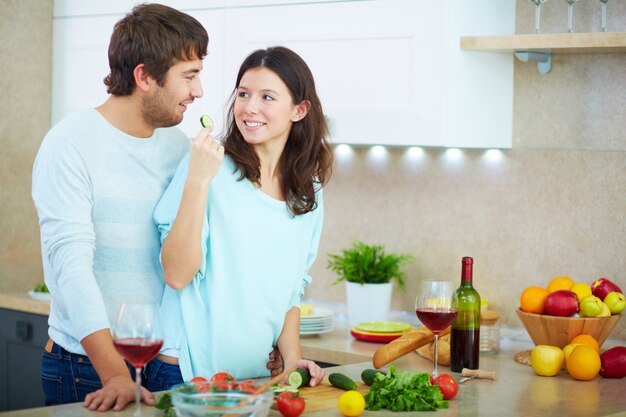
{"points": [[157, 111]]}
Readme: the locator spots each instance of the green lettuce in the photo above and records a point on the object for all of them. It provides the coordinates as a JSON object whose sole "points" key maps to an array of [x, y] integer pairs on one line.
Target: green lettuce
{"points": [[404, 391]]}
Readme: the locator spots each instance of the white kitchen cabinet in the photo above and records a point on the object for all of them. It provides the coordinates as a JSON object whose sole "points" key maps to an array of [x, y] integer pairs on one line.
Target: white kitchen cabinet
{"points": [[388, 71]]}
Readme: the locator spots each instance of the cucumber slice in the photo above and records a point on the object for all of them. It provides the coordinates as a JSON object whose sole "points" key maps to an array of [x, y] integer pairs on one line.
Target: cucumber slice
{"points": [[341, 381], [298, 378], [206, 121], [279, 389]]}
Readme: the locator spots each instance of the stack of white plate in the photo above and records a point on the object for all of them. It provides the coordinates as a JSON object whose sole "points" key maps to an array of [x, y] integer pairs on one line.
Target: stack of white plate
{"points": [[321, 321]]}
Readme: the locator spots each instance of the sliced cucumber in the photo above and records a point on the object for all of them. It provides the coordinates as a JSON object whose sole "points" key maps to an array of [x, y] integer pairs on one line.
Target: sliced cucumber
{"points": [[206, 121], [299, 378], [279, 389], [341, 381]]}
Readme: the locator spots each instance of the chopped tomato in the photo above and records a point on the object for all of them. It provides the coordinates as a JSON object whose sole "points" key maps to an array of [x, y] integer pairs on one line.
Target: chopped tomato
{"points": [[223, 385], [204, 386], [290, 404], [248, 386]]}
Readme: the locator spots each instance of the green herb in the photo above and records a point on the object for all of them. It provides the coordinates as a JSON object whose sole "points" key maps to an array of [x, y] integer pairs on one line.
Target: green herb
{"points": [[165, 405], [365, 264], [41, 287], [404, 391]]}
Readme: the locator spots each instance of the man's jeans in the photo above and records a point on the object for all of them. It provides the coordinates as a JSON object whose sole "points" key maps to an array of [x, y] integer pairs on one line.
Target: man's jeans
{"points": [[68, 377]]}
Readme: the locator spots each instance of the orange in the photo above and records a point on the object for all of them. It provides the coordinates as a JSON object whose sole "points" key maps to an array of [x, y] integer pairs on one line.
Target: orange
{"points": [[583, 363], [532, 300], [560, 283], [587, 340]]}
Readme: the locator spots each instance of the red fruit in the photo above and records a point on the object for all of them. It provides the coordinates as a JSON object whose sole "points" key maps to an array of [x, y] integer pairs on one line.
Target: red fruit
{"points": [[222, 376], [447, 385], [601, 287], [290, 404], [613, 362], [562, 303]]}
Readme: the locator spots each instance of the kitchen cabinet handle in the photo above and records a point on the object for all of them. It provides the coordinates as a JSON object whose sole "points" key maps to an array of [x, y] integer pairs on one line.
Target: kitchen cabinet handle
{"points": [[24, 330]]}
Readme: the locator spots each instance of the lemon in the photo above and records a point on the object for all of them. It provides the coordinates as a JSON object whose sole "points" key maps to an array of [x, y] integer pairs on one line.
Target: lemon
{"points": [[567, 349], [351, 403], [582, 290], [306, 309]]}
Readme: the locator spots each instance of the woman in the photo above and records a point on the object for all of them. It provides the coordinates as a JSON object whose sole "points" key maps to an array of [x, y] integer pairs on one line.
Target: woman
{"points": [[240, 226]]}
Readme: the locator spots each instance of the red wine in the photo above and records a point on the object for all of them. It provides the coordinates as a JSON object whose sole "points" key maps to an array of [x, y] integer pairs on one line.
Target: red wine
{"points": [[435, 319], [138, 351], [467, 343], [465, 335]]}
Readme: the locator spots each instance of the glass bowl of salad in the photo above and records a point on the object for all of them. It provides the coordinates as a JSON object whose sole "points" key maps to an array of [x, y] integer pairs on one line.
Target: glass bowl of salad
{"points": [[220, 398]]}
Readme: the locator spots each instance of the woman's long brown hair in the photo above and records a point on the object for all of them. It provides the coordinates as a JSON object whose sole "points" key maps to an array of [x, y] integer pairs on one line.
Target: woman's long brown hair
{"points": [[306, 162]]}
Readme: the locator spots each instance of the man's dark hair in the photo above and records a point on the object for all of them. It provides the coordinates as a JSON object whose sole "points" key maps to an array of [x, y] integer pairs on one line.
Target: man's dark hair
{"points": [[157, 36]]}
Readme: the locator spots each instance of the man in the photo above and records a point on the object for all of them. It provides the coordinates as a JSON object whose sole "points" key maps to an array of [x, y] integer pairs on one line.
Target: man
{"points": [[96, 180]]}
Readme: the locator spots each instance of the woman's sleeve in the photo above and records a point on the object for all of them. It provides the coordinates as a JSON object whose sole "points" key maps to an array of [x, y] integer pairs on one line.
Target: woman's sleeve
{"points": [[167, 209], [313, 248]]}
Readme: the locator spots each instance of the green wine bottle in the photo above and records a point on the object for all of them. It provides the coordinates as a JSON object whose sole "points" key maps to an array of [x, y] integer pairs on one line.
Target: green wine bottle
{"points": [[465, 335]]}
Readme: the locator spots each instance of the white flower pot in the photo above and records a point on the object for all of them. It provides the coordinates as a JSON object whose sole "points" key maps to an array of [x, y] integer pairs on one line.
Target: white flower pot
{"points": [[368, 302]]}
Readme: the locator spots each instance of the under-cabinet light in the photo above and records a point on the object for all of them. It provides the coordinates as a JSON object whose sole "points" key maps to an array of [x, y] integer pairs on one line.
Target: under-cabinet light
{"points": [[414, 153], [493, 155], [453, 154]]}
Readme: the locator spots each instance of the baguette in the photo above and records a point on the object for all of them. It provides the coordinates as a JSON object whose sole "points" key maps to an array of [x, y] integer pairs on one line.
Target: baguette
{"points": [[406, 343]]}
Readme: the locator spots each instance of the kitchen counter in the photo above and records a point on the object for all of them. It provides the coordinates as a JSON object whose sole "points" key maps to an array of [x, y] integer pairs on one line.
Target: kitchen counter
{"points": [[517, 392], [22, 302]]}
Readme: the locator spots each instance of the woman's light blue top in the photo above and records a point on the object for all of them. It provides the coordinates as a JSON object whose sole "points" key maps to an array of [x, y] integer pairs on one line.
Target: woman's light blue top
{"points": [[256, 257]]}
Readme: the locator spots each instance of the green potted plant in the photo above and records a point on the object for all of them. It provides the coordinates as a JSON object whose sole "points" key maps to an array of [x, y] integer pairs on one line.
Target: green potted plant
{"points": [[369, 273]]}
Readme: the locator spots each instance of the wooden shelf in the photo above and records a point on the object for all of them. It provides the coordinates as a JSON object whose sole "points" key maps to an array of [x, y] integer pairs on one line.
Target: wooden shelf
{"points": [[557, 43]]}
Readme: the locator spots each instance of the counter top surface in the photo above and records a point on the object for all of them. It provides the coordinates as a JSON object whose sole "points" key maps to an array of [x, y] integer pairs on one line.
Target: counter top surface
{"points": [[516, 392], [22, 302]]}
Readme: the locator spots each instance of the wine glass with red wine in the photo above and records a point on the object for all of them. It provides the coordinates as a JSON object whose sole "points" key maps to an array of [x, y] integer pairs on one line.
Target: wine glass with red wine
{"points": [[435, 306], [137, 337]]}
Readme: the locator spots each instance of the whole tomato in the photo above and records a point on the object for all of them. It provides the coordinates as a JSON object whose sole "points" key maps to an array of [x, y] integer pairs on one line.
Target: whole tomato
{"points": [[198, 379], [222, 376], [447, 385], [290, 404]]}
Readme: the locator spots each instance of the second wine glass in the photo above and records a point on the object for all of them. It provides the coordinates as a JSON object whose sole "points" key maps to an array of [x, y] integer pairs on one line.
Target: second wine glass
{"points": [[137, 337], [537, 4], [435, 307]]}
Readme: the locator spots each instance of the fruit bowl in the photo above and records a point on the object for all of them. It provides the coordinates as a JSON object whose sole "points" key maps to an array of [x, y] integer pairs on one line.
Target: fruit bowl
{"points": [[190, 401], [559, 331]]}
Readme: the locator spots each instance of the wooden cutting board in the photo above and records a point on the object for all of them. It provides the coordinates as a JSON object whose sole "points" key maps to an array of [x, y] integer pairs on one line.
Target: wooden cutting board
{"points": [[325, 396]]}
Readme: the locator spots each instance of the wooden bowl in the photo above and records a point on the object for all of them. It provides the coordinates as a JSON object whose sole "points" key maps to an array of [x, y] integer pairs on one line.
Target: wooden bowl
{"points": [[559, 331]]}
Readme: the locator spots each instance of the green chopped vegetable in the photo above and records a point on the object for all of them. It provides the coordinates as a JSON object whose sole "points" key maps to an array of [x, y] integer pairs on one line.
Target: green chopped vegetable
{"points": [[165, 405], [280, 388], [206, 121], [404, 391], [41, 287], [300, 377]]}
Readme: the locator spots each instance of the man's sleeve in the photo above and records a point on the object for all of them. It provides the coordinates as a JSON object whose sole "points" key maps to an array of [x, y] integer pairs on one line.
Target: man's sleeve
{"points": [[62, 192]]}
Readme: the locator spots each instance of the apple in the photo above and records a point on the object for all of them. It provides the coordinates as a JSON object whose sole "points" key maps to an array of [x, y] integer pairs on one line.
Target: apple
{"points": [[602, 287], [561, 303], [546, 360], [590, 306], [616, 302], [613, 362]]}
